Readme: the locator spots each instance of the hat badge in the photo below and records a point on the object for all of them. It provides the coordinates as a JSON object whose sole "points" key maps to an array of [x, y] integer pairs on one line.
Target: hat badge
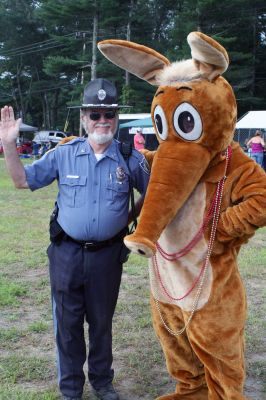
{"points": [[101, 94]]}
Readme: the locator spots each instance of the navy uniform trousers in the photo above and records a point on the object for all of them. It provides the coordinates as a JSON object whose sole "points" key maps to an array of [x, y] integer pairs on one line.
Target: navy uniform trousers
{"points": [[84, 285]]}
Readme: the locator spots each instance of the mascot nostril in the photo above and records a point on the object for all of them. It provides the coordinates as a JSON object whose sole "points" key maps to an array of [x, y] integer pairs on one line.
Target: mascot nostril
{"points": [[204, 200]]}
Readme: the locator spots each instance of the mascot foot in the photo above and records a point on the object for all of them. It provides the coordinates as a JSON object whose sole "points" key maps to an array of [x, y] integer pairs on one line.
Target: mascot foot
{"points": [[172, 396], [175, 396], [141, 246], [202, 394]]}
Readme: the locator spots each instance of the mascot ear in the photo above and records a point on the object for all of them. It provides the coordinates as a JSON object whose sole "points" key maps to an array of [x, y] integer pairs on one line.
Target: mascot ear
{"points": [[139, 60], [210, 57]]}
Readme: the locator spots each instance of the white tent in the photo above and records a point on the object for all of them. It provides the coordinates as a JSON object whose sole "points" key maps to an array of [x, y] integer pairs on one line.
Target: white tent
{"points": [[252, 120]]}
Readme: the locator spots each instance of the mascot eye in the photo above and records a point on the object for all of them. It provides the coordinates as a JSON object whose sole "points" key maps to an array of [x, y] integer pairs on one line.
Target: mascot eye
{"points": [[160, 122], [187, 122]]}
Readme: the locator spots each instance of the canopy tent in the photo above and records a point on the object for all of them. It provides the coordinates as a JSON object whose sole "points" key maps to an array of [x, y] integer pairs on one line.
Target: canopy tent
{"points": [[26, 133], [132, 116], [27, 128], [142, 123], [252, 120]]}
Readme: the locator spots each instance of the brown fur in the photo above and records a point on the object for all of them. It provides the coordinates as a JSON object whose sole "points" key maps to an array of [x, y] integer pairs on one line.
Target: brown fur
{"points": [[207, 357], [67, 139]]}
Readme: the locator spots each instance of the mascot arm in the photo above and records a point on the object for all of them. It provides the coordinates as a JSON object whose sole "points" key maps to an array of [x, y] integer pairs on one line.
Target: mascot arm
{"points": [[249, 198], [149, 155]]}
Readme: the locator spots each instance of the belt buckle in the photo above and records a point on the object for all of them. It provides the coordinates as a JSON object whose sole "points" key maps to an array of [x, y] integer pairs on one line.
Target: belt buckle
{"points": [[88, 245]]}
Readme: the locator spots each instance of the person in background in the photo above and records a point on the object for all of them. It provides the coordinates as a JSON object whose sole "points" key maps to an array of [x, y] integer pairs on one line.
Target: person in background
{"points": [[139, 140], [42, 149], [257, 145], [87, 252], [35, 150], [49, 145]]}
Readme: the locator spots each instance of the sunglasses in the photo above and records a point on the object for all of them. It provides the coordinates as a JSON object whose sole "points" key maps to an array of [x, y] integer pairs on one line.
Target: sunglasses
{"points": [[95, 116]]}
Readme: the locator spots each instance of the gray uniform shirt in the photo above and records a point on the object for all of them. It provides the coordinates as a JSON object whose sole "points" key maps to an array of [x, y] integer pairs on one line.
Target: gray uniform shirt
{"points": [[93, 196]]}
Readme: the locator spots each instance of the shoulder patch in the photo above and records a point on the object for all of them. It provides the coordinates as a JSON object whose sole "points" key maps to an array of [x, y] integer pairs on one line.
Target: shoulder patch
{"points": [[144, 165]]}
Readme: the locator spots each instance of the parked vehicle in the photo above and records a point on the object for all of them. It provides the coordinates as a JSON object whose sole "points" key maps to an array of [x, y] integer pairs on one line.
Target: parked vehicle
{"points": [[49, 136]]}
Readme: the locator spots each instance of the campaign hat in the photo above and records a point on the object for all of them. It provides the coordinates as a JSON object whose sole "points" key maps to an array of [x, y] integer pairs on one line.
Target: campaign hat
{"points": [[99, 93]]}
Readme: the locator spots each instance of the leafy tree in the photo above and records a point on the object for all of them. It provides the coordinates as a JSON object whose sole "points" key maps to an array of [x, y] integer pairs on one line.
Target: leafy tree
{"points": [[19, 30], [48, 49]]}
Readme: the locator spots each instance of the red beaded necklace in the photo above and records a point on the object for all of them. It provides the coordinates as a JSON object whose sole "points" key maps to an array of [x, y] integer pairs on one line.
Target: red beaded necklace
{"points": [[212, 214]]}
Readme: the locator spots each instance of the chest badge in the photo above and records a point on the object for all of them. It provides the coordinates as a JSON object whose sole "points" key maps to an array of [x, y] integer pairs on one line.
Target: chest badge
{"points": [[120, 175]]}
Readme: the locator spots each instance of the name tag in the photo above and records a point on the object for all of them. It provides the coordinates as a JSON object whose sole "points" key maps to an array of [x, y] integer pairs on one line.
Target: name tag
{"points": [[73, 176]]}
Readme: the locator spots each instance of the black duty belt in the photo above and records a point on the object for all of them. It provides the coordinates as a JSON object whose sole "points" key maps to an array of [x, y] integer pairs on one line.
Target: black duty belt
{"points": [[92, 245]]}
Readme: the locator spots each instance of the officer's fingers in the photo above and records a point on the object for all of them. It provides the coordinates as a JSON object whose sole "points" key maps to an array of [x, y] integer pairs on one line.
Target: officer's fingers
{"points": [[6, 114], [3, 113], [11, 113]]}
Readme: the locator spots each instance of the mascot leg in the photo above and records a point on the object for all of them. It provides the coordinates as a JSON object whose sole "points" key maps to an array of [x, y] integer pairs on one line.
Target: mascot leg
{"points": [[219, 344], [208, 358], [182, 362]]}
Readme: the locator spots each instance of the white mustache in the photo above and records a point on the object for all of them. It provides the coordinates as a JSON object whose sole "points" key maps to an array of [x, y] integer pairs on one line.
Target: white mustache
{"points": [[105, 124]]}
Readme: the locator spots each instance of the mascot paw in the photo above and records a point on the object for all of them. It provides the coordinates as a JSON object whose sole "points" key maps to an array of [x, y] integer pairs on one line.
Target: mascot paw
{"points": [[141, 246]]}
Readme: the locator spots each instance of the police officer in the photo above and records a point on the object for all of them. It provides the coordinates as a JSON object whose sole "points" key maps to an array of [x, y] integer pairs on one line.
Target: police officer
{"points": [[87, 251]]}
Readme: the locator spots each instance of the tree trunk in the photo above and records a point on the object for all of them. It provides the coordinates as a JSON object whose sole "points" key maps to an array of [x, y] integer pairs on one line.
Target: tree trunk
{"points": [[254, 52], [47, 121], [21, 111], [54, 110], [26, 102], [94, 42], [129, 35], [14, 93], [43, 125]]}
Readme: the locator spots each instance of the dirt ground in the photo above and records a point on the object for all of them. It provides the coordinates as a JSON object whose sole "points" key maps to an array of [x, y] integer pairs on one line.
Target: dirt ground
{"points": [[140, 371]]}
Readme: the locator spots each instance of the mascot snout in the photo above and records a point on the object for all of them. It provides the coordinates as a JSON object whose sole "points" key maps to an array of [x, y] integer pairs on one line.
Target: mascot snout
{"points": [[176, 170]]}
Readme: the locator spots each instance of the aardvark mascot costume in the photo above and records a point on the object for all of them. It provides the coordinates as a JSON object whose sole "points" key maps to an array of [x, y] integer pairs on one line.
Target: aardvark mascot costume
{"points": [[205, 199]]}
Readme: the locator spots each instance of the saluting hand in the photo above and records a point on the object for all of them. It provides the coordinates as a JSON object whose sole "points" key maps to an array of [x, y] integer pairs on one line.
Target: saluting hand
{"points": [[9, 126]]}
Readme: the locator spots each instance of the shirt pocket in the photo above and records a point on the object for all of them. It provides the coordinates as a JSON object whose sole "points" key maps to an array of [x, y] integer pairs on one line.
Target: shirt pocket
{"points": [[117, 193], [73, 190]]}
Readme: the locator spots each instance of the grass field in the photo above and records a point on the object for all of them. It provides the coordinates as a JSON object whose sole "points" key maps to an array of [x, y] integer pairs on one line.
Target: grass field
{"points": [[27, 357]]}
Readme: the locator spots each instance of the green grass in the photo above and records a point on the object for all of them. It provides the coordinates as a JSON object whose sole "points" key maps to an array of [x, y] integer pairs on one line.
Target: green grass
{"points": [[8, 393], [15, 369], [10, 293], [38, 327], [27, 356], [9, 336]]}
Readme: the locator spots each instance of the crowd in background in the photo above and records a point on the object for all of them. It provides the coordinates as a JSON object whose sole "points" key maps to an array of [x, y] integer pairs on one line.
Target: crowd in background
{"points": [[254, 147], [31, 149]]}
